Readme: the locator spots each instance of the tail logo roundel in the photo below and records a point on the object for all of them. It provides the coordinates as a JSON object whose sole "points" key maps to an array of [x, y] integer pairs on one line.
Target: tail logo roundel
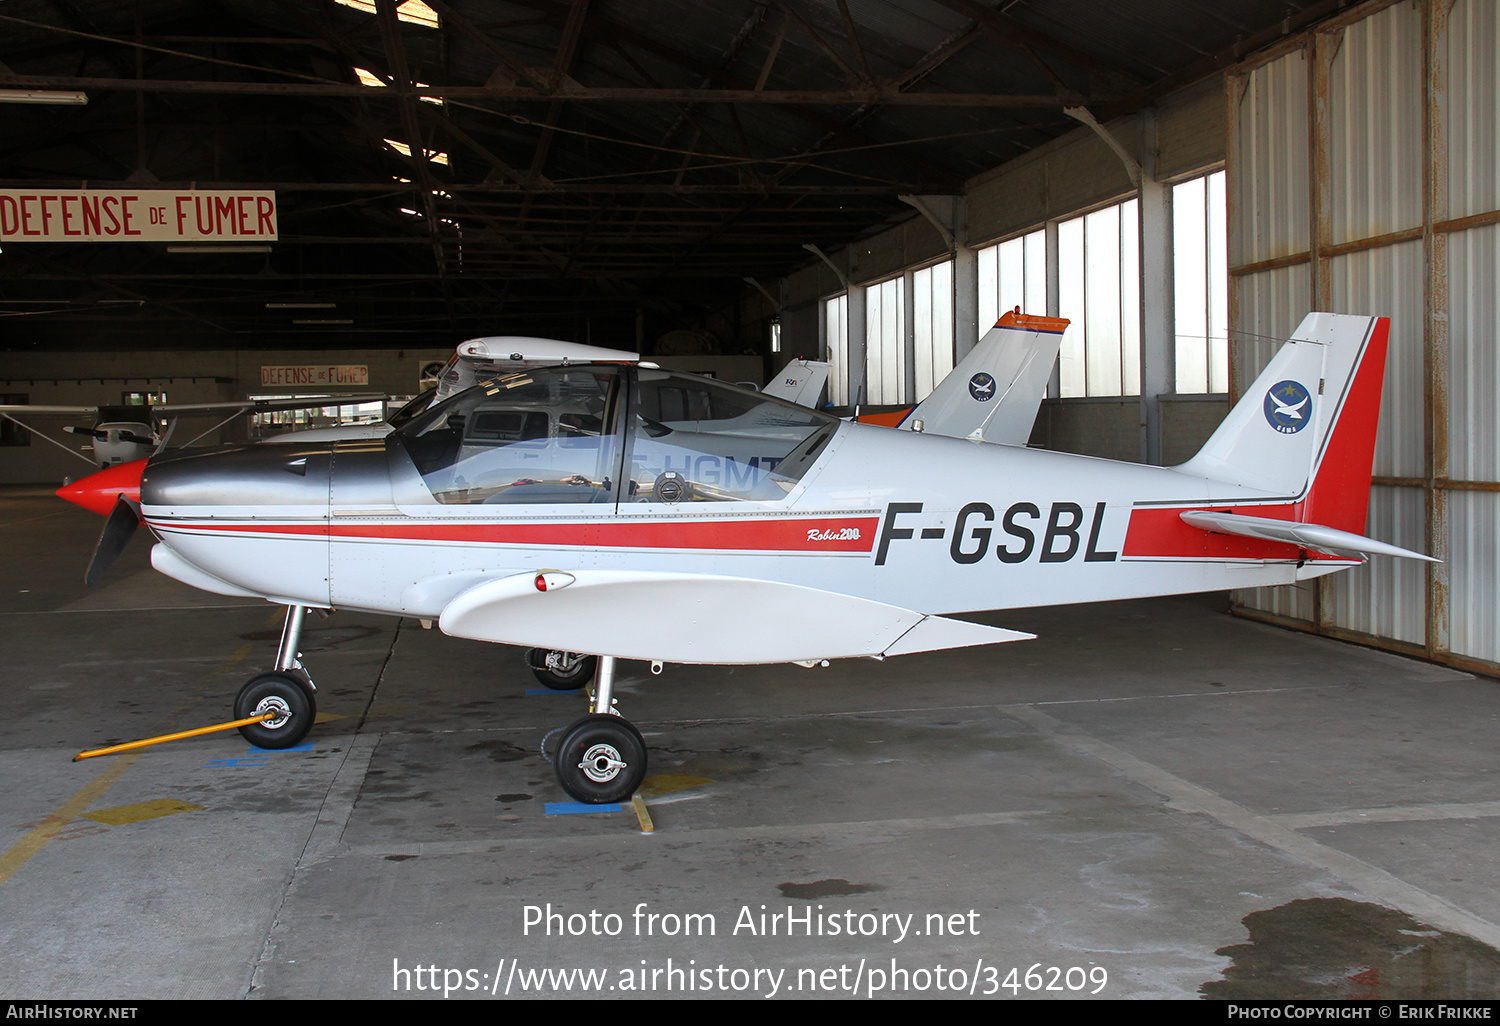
{"points": [[982, 387], [1288, 407]]}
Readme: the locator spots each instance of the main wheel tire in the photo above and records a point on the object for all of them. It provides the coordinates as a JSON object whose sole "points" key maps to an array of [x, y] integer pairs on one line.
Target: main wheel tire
{"points": [[288, 697], [577, 669], [601, 759]]}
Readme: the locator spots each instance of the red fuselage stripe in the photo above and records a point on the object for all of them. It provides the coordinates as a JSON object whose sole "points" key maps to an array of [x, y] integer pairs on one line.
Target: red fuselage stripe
{"points": [[1162, 534], [842, 534]]}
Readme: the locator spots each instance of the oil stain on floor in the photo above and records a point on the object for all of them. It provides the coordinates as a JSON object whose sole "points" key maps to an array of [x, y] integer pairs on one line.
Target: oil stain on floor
{"points": [[1337, 949]]}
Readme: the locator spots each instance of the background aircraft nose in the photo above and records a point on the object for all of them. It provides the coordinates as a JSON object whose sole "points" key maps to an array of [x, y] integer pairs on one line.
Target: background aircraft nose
{"points": [[98, 492]]}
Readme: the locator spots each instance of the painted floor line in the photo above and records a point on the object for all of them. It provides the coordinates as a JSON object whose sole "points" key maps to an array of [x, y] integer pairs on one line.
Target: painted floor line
{"points": [[1391, 814], [36, 839], [840, 831], [1185, 796], [578, 808]]}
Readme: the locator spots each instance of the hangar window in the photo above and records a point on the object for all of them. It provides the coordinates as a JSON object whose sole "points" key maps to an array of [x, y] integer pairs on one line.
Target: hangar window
{"points": [[1200, 272], [413, 12], [369, 78], [269, 423], [835, 330], [932, 325], [436, 156], [885, 343], [1098, 258], [1012, 274]]}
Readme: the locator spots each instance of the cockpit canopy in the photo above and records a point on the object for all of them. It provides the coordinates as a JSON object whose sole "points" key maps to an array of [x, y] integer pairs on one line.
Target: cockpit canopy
{"points": [[599, 433]]}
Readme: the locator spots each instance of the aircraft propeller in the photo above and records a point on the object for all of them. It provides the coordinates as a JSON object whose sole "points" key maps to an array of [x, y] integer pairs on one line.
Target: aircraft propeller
{"points": [[118, 530]]}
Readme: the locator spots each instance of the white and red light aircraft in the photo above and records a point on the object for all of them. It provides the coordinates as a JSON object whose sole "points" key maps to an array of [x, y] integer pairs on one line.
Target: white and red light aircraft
{"points": [[642, 514]]}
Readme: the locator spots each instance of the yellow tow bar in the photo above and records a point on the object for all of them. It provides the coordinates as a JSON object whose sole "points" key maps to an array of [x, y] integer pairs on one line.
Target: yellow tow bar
{"points": [[180, 734]]}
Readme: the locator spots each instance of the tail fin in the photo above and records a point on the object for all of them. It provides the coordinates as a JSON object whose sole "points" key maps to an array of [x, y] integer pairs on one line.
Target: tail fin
{"points": [[800, 382], [994, 392], [1306, 428]]}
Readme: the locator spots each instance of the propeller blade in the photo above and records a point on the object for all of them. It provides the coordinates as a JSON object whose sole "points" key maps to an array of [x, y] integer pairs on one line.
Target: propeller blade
{"points": [[118, 529]]}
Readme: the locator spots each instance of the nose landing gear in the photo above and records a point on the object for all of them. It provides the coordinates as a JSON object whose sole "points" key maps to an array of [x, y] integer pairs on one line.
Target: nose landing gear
{"points": [[287, 691]]}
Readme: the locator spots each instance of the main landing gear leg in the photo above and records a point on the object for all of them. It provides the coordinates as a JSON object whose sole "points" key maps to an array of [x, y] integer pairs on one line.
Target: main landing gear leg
{"points": [[287, 691], [602, 757]]}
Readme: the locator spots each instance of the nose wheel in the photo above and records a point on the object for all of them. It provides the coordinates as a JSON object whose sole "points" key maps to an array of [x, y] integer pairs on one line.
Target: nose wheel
{"points": [[602, 758], [284, 695]]}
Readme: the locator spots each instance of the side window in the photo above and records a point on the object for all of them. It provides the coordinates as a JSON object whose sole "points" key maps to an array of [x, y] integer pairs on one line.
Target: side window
{"points": [[531, 437], [698, 441]]}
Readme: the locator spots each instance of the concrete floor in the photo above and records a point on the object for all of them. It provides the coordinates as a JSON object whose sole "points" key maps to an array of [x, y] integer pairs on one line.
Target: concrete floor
{"points": [[1153, 799]]}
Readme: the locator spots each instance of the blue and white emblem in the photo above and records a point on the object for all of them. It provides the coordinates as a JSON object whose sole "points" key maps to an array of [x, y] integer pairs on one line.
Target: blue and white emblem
{"points": [[982, 387], [1288, 407]]}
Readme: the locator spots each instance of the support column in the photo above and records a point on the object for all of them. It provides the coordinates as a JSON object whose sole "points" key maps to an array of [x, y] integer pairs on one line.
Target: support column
{"points": [[965, 284], [1158, 337], [1054, 303], [855, 325]]}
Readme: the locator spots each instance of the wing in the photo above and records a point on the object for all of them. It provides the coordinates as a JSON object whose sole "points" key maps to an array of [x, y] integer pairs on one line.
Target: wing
{"points": [[8, 412], [697, 618], [260, 405], [50, 411]]}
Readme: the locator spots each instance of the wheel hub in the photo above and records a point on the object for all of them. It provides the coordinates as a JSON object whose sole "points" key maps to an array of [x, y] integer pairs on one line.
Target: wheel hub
{"points": [[601, 763], [563, 662], [273, 704]]}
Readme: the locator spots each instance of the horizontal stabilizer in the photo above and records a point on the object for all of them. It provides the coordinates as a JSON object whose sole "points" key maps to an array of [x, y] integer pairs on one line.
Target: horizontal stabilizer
{"points": [[1307, 536], [697, 618]]}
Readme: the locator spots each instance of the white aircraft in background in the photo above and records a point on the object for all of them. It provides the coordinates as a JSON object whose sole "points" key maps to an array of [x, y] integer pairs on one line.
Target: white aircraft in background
{"points": [[126, 433], [638, 513]]}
